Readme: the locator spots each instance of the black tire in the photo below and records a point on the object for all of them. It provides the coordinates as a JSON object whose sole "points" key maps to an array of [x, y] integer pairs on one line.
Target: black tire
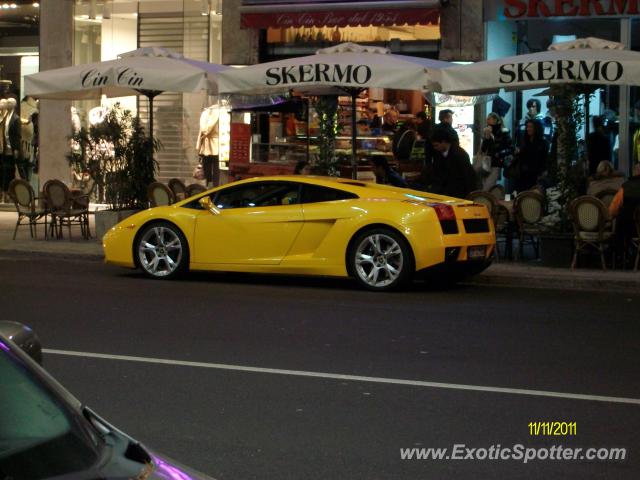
{"points": [[161, 251], [380, 260]]}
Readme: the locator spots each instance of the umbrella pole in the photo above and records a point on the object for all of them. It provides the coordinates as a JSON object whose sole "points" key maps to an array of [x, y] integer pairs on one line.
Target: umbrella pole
{"points": [[150, 94], [308, 134], [354, 136]]}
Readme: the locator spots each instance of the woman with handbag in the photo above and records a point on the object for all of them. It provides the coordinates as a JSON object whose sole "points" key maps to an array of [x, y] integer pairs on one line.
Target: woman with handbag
{"points": [[531, 156], [496, 144]]}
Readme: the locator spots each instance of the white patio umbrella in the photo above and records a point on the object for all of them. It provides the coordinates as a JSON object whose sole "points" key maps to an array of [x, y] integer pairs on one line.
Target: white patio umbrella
{"points": [[347, 68], [589, 61], [146, 71]]}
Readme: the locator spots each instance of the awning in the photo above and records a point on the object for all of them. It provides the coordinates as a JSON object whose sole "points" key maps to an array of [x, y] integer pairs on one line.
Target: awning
{"points": [[340, 14]]}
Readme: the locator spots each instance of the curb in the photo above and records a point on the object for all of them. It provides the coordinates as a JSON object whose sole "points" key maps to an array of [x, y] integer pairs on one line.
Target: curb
{"points": [[49, 254], [525, 279]]}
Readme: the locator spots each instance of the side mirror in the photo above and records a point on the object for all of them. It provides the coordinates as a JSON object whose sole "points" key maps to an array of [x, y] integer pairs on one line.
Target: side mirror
{"points": [[24, 337], [207, 204]]}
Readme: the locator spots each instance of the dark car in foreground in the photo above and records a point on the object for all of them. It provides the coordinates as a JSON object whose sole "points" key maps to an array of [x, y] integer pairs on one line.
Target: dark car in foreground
{"points": [[46, 433]]}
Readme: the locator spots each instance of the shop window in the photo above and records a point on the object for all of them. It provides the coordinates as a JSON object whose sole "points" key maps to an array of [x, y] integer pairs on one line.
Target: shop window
{"points": [[321, 35]]}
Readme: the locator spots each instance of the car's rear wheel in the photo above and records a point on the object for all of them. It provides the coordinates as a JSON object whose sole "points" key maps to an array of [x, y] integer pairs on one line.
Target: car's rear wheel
{"points": [[380, 259], [162, 250]]}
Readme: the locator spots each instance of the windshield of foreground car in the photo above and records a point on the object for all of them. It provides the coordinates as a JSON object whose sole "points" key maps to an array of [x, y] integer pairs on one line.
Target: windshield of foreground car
{"points": [[38, 437]]}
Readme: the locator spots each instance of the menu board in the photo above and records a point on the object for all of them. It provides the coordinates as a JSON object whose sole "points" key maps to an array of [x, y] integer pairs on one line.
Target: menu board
{"points": [[240, 143]]}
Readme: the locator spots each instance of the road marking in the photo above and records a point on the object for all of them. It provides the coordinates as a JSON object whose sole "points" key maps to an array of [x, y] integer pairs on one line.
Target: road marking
{"points": [[352, 378]]}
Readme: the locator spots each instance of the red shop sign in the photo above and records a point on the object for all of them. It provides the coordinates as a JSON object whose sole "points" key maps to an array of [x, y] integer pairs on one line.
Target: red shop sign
{"points": [[342, 18]]}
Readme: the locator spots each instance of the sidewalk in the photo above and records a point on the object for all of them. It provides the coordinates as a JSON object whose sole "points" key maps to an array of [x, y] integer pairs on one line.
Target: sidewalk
{"points": [[503, 274]]}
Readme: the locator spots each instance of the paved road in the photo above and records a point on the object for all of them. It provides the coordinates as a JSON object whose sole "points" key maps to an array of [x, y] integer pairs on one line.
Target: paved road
{"points": [[427, 369]]}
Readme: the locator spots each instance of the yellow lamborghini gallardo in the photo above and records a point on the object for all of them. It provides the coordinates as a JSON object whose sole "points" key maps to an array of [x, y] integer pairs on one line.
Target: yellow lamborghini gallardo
{"points": [[379, 235]]}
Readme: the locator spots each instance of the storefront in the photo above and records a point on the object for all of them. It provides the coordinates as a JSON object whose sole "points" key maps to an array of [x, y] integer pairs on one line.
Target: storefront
{"points": [[298, 28], [519, 27], [105, 29]]}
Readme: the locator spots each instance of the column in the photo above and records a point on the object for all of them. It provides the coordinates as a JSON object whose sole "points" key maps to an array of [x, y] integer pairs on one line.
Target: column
{"points": [[56, 40]]}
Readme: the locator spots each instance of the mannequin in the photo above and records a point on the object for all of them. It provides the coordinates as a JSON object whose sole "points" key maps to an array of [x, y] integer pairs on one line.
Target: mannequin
{"points": [[207, 144], [28, 105], [634, 125], [3, 113], [11, 152]]}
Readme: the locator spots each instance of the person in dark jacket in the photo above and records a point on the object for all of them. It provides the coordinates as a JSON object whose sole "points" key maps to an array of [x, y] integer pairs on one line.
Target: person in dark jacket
{"points": [[453, 174], [423, 128], [445, 117], [385, 174], [598, 145], [496, 143], [531, 156]]}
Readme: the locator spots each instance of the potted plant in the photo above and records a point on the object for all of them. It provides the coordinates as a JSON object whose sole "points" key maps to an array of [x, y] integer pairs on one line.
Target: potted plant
{"points": [[327, 110], [566, 174], [117, 155]]}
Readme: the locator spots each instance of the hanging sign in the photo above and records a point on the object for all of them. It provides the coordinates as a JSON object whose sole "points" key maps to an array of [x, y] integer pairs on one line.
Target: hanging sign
{"points": [[548, 9]]}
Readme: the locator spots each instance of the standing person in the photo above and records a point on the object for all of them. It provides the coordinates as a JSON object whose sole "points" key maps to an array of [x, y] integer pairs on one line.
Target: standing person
{"points": [[390, 120], [496, 143], [623, 205], [207, 145], [531, 156], [423, 128], [385, 174], [453, 174], [533, 113], [445, 117], [403, 141], [598, 145]]}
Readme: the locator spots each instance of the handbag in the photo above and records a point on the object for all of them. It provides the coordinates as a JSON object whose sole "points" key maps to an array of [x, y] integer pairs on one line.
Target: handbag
{"points": [[482, 163], [198, 172]]}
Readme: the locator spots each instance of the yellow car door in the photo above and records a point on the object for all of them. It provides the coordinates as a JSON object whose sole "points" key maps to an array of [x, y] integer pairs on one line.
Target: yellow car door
{"points": [[255, 223]]}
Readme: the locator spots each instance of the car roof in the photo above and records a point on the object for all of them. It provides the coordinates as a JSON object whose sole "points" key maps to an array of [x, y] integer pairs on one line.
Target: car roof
{"points": [[359, 187]]}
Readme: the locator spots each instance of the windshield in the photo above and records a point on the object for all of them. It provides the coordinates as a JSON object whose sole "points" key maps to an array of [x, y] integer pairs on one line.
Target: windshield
{"points": [[38, 438]]}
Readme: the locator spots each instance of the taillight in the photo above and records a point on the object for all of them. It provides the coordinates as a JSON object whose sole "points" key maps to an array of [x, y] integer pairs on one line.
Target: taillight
{"points": [[443, 211]]}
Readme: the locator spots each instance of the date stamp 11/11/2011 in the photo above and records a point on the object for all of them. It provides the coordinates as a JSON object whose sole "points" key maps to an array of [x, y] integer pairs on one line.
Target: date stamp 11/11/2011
{"points": [[553, 429]]}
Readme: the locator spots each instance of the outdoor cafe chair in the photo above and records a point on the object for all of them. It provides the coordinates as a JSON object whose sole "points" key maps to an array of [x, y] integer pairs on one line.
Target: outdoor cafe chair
{"points": [[159, 194], [178, 188], [489, 201], [529, 207], [591, 225], [497, 191], [24, 199], [194, 189], [66, 209]]}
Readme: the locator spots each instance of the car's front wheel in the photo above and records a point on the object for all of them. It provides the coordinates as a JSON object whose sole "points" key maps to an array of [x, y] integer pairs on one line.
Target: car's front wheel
{"points": [[380, 259], [162, 250]]}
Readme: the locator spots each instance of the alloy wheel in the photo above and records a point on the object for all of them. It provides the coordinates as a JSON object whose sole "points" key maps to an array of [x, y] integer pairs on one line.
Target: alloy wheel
{"points": [[160, 251], [379, 260]]}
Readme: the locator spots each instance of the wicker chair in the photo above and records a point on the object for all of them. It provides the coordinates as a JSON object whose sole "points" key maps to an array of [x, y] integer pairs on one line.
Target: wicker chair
{"points": [[178, 188], [529, 209], [591, 225], [159, 194], [24, 199], [66, 209], [497, 191], [194, 189], [606, 196]]}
